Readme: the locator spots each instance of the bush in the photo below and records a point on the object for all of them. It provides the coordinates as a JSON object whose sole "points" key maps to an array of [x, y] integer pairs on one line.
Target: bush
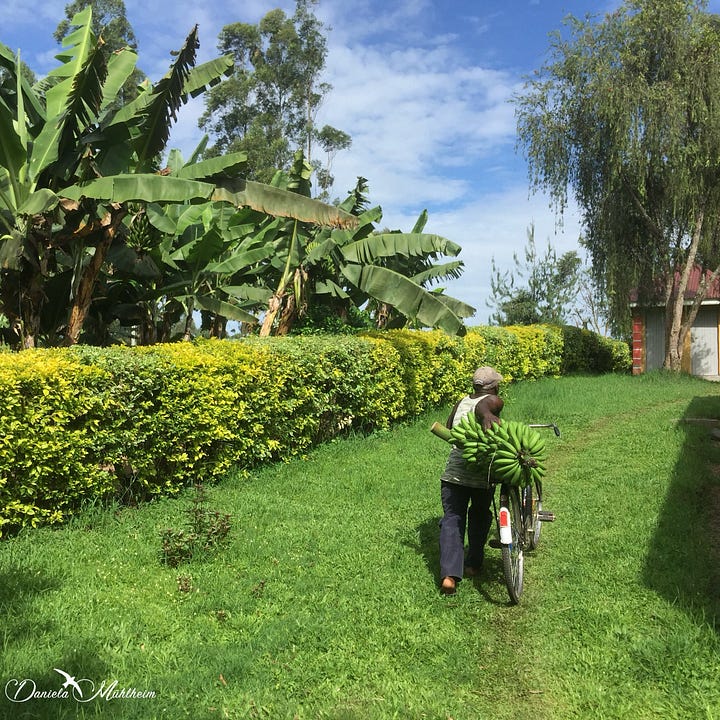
{"points": [[94, 424], [585, 351]]}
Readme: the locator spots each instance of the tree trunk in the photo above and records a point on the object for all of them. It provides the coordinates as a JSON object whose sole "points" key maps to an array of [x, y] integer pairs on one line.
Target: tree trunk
{"points": [[679, 322], [83, 297], [187, 334], [287, 316], [274, 305], [382, 316], [219, 326]]}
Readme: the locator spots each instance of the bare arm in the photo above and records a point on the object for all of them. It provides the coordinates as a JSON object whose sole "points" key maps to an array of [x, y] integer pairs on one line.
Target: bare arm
{"points": [[488, 410]]}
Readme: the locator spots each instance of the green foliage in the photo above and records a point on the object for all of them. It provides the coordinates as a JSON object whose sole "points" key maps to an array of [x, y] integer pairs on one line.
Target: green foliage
{"points": [[53, 430], [324, 601], [548, 291], [267, 109], [129, 424], [84, 212], [520, 352], [623, 117], [325, 320], [585, 351], [109, 21]]}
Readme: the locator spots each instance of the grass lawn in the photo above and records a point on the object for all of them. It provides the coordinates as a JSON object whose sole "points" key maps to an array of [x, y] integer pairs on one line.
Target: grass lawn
{"points": [[323, 603]]}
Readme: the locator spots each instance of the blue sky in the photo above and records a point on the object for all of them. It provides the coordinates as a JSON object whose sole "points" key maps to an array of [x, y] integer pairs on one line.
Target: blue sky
{"points": [[422, 87]]}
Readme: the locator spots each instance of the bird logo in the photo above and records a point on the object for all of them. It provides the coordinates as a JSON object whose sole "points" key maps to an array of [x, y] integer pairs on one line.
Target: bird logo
{"points": [[69, 680]]}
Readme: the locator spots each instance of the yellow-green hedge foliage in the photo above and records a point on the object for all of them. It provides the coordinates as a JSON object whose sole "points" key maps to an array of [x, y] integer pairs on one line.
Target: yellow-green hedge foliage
{"points": [[86, 424]]}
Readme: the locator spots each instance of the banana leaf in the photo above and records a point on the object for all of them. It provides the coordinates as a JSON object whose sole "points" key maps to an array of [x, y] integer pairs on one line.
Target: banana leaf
{"points": [[212, 166], [281, 203], [251, 293], [10, 62], [12, 152], [406, 296], [81, 45], [369, 249], [165, 100], [224, 308], [241, 260], [328, 287], [140, 187], [38, 202], [446, 271], [119, 68], [205, 75], [11, 247]]}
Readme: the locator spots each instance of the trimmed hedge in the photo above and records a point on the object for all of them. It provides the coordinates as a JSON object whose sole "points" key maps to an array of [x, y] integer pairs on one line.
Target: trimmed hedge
{"points": [[86, 424]]}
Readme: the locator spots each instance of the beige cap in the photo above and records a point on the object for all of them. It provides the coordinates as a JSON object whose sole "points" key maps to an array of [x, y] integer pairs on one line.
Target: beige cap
{"points": [[487, 377]]}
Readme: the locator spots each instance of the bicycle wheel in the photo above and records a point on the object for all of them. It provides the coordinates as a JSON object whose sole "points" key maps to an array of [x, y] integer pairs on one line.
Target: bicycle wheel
{"points": [[512, 552], [533, 503]]}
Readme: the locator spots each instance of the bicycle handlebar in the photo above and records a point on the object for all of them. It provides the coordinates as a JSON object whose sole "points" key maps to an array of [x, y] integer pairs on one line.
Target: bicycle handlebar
{"points": [[555, 428]]}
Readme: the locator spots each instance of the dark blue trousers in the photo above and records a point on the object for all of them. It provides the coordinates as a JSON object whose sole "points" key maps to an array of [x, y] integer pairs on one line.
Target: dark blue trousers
{"points": [[464, 508]]}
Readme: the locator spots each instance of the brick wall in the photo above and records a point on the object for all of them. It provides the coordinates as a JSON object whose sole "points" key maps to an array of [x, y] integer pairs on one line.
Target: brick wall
{"points": [[638, 343]]}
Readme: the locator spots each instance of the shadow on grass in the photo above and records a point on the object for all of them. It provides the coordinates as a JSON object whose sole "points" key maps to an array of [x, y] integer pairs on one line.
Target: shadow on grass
{"points": [[42, 696], [427, 543], [20, 586], [491, 581], [683, 556], [29, 688]]}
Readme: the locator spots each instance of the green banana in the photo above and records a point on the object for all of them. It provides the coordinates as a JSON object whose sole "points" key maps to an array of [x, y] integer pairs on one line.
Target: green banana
{"points": [[508, 451]]}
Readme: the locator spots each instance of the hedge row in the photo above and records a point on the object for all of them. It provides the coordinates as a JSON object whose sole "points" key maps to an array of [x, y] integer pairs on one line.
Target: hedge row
{"points": [[128, 424]]}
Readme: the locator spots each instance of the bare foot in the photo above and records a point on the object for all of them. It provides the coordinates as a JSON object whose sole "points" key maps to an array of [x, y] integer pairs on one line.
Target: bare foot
{"points": [[448, 586]]}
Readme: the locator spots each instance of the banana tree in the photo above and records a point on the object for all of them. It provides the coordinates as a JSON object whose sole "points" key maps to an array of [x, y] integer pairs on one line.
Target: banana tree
{"points": [[211, 258], [359, 265], [420, 264], [70, 168]]}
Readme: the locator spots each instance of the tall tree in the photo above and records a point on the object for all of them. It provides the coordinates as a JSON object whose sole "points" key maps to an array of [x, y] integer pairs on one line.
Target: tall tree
{"points": [[541, 289], [625, 115], [109, 21], [268, 108]]}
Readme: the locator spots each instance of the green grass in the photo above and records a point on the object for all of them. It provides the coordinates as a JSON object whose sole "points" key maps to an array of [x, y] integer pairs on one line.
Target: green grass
{"points": [[324, 601]]}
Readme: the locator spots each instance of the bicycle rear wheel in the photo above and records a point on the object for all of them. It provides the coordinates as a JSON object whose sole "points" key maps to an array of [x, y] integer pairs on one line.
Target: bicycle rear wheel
{"points": [[512, 552]]}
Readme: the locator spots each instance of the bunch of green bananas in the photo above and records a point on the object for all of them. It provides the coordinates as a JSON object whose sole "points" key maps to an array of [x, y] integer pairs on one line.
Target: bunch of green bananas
{"points": [[510, 451]]}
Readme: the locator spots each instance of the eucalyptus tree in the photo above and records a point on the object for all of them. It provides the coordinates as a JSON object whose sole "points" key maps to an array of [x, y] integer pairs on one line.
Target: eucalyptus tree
{"points": [[73, 166], [624, 115], [268, 107]]}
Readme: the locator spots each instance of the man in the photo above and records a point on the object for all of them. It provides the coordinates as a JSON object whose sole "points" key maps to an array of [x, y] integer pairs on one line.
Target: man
{"points": [[466, 495]]}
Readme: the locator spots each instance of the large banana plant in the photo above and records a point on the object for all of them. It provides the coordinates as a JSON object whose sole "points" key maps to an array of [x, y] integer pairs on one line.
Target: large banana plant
{"points": [[361, 266], [72, 163]]}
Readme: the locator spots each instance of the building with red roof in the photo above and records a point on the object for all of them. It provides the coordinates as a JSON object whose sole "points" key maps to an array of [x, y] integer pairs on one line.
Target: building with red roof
{"points": [[700, 353]]}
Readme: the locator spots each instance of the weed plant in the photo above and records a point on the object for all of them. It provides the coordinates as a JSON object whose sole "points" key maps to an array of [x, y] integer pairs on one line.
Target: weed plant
{"points": [[205, 532], [323, 601]]}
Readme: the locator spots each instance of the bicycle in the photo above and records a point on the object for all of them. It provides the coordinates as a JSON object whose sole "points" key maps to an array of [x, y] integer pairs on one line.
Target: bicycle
{"points": [[519, 522]]}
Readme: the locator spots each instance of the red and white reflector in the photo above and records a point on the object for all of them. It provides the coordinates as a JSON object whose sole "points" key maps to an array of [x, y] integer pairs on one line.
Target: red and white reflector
{"points": [[505, 530]]}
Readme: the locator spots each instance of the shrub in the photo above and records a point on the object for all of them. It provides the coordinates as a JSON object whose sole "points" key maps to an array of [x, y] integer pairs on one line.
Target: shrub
{"points": [[585, 351], [94, 424]]}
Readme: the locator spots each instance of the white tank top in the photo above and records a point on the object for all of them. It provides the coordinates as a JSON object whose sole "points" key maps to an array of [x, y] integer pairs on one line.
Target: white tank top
{"points": [[466, 406]]}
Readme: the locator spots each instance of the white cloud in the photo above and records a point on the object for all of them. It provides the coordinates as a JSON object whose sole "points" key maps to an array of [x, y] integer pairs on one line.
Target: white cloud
{"points": [[494, 226]]}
